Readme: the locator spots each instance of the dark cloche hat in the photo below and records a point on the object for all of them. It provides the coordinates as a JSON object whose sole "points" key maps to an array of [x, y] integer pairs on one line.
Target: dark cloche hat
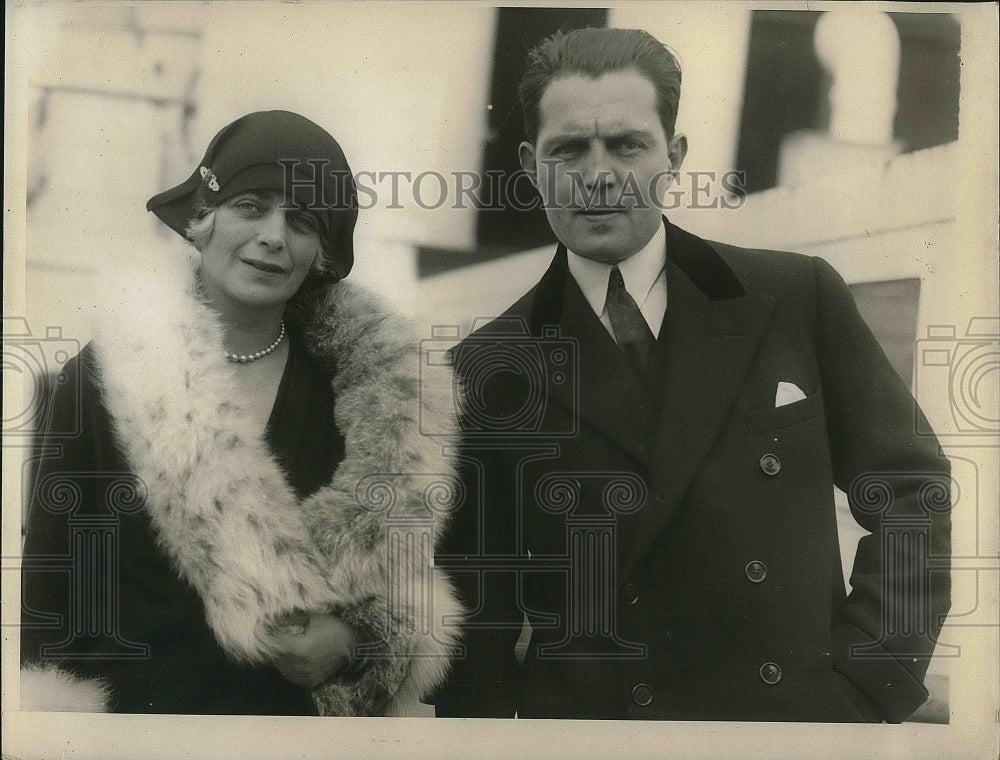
{"points": [[273, 150]]}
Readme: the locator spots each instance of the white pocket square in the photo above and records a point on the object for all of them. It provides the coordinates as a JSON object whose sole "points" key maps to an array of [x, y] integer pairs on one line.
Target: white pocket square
{"points": [[787, 393]]}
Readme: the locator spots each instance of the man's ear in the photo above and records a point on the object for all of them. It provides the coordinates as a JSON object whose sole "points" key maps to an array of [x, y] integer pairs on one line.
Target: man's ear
{"points": [[677, 149], [526, 152]]}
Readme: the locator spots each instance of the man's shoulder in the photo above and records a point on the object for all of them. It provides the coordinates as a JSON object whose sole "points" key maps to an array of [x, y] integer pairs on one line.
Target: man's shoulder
{"points": [[723, 270], [763, 268], [514, 320], [513, 324]]}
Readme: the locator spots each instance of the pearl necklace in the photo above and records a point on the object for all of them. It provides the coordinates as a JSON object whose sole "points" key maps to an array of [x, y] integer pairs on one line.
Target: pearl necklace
{"points": [[242, 359]]}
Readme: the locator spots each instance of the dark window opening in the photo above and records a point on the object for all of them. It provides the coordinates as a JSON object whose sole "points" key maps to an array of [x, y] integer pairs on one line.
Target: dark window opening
{"points": [[785, 88], [503, 228]]}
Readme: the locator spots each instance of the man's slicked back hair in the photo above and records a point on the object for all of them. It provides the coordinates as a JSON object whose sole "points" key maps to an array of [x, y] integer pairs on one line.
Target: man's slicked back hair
{"points": [[594, 52]]}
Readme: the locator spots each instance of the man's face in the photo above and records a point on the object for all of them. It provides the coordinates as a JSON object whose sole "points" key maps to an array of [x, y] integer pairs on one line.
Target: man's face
{"points": [[602, 162]]}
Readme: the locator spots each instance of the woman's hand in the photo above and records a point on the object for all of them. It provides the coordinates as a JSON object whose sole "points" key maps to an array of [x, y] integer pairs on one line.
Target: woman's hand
{"points": [[313, 648]]}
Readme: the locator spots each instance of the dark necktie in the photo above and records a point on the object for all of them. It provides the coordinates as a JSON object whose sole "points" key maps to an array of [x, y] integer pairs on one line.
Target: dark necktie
{"points": [[631, 331]]}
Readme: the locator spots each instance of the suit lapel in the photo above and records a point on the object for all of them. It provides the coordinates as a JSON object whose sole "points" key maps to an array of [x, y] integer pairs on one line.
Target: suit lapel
{"points": [[705, 349], [612, 398], [709, 336], [605, 394]]}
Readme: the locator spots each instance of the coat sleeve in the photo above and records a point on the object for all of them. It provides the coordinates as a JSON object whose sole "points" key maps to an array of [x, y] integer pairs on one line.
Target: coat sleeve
{"points": [[62, 488], [483, 678], [898, 487], [483, 681]]}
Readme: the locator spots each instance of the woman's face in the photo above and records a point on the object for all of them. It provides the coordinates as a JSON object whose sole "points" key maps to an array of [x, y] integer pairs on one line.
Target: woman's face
{"points": [[259, 253]]}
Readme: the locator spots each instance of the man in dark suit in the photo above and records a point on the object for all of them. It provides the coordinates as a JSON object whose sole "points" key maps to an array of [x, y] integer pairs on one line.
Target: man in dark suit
{"points": [[652, 436]]}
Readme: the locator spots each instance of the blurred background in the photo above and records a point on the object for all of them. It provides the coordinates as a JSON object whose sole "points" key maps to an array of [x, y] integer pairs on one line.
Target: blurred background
{"points": [[831, 118], [847, 127]]}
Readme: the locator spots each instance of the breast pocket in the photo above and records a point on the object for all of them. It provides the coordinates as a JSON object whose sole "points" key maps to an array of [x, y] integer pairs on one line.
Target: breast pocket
{"points": [[764, 420]]}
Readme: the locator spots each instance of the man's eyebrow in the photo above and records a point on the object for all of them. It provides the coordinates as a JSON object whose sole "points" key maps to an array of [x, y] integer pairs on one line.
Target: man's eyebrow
{"points": [[630, 132], [566, 138], [569, 138]]}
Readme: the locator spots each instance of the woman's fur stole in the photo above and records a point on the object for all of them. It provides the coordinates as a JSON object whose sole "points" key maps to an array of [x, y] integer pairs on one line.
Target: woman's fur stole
{"points": [[360, 547]]}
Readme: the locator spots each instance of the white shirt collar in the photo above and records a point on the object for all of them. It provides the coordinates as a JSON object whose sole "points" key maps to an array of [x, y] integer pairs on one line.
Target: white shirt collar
{"points": [[639, 272]]}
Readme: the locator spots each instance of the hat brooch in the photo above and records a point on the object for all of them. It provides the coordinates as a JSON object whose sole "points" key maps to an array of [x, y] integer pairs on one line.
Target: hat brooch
{"points": [[208, 176]]}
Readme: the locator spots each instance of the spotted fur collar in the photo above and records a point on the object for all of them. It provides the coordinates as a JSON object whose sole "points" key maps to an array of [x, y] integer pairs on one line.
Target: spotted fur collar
{"points": [[224, 513]]}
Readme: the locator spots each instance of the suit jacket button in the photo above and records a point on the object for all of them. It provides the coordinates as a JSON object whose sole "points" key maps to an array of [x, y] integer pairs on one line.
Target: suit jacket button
{"points": [[642, 694], [755, 570], [629, 594], [770, 464], [770, 673]]}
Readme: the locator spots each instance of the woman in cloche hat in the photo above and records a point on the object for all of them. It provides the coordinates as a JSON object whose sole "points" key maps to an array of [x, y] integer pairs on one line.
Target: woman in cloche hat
{"points": [[214, 537]]}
